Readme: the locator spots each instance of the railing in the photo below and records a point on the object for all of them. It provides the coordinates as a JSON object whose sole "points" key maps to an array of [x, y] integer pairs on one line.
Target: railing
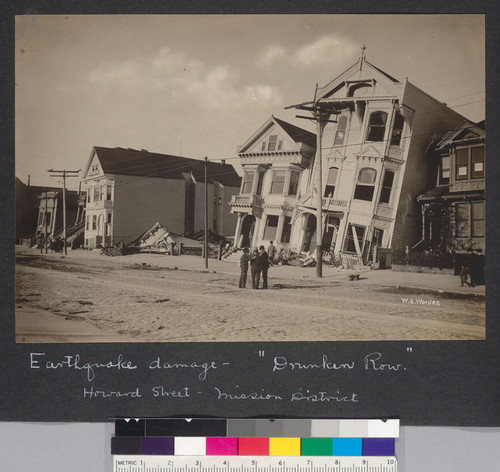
{"points": [[246, 200], [334, 202]]}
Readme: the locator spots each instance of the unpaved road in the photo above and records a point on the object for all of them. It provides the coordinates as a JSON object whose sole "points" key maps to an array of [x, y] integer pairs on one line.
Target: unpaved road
{"points": [[153, 304]]}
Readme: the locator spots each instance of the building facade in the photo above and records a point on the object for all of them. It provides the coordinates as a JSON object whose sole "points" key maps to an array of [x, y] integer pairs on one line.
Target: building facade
{"points": [[276, 163], [375, 137], [453, 212], [127, 191]]}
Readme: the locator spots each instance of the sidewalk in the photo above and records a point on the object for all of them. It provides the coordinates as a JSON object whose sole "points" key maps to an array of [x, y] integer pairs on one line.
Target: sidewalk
{"points": [[434, 282]]}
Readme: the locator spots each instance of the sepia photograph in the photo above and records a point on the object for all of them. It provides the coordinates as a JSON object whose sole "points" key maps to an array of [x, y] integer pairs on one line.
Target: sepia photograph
{"points": [[247, 178]]}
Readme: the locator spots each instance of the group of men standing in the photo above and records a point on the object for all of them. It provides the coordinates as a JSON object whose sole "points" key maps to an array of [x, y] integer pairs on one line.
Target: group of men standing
{"points": [[259, 262]]}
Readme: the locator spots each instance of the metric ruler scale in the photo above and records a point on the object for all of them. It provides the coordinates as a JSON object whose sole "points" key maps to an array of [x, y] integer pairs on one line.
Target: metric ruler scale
{"points": [[144, 463]]}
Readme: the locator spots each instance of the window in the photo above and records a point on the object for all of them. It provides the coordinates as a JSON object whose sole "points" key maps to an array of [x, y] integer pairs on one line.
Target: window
{"points": [[287, 229], [369, 249], [278, 183], [108, 192], [40, 218], [445, 171], [477, 159], [462, 164], [88, 223], [340, 134], [331, 180], [350, 245], [260, 182], [89, 193], [397, 129], [366, 184], [280, 145], [248, 182], [94, 222], [48, 218], [263, 147], [477, 217], [273, 139], [96, 194], [385, 194], [376, 126], [293, 188], [271, 227], [103, 192], [470, 163], [462, 220]]}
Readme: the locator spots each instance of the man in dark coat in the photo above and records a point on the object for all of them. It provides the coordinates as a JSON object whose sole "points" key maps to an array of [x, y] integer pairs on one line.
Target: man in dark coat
{"points": [[255, 269], [264, 265]]}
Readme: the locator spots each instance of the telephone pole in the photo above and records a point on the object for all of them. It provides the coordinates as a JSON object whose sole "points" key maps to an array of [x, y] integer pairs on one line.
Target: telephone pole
{"points": [[321, 116], [64, 174], [206, 214]]}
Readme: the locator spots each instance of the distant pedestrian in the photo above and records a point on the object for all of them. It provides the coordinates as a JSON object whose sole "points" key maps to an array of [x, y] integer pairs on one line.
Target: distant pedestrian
{"points": [[255, 269], [271, 251], [244, 260], [264, 265], [464, 274]]}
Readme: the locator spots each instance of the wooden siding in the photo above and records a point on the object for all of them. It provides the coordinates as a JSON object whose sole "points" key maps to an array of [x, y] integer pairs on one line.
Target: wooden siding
{"points": [[430, 121], [140, 202]]}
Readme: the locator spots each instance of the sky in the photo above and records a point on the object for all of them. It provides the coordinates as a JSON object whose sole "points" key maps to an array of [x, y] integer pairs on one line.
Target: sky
{"points": [[201, 85]]}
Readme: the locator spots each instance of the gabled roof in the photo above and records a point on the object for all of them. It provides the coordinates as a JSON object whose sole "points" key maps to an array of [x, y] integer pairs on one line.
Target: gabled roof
{"points": [[359, 71], [298, 135], [148, 164], [465, 132]]}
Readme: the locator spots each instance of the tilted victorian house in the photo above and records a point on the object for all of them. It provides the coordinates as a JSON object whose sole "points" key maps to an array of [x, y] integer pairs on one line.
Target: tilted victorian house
{"points": [[376, 132], [276, 163], [128, 191]]}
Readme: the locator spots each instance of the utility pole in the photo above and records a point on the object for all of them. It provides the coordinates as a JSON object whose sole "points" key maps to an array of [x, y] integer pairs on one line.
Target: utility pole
{"points": [[64, 174], [320, 125], [320, 114], [206, 214], [46, 220]]}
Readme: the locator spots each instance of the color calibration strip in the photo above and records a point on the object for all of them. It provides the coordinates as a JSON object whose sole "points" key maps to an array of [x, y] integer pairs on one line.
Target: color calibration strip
{"points": [[258, 428], [255, 437], [246, 446]]}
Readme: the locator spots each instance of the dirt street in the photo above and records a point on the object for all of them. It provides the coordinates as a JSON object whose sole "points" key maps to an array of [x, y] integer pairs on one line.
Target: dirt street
{"points": [[143, 302]]}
